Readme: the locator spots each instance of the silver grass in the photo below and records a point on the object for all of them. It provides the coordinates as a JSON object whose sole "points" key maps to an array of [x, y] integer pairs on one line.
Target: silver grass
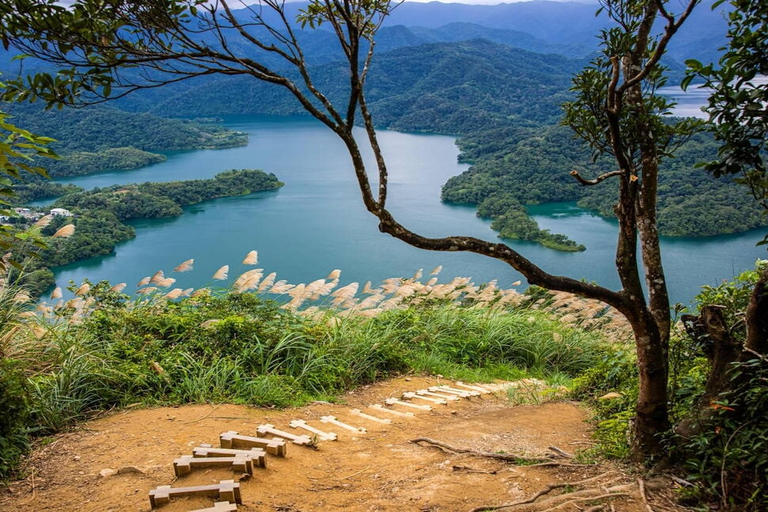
{"points": [[166, 282], [159, 276], [432, 282], [281, 287], [209, 323], [267, 282], [418, 274], [324, 290], [144, 281], [344, 293], [84, 288], [185, 266], [350, 303], [389, 288], [252, 258], [368, 290], [148, 289], [390, 303], [187, 292], [335, 274], [64, 231], [248, 276], [56, 294], [44, 221], [222, 273], [370, 302], [298, 291], [201, 292], [119, 287], [436, 270], [174, 294], [312, 287]]}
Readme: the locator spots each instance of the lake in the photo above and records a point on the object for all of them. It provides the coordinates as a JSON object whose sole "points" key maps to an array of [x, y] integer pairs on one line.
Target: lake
{"points": [[316, 222]]}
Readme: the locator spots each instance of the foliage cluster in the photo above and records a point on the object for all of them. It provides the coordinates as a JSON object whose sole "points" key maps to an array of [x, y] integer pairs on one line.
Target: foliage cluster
{"points": [[726, 459], [237, 347]]}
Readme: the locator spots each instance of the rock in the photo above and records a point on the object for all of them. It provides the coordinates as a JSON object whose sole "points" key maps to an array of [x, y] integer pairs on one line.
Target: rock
{"points": [[107, 472], [129, 469], [76, 458]]}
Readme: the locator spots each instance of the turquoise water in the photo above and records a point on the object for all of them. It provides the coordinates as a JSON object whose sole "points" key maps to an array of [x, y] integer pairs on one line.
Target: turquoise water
{"points": [[316, 222]]}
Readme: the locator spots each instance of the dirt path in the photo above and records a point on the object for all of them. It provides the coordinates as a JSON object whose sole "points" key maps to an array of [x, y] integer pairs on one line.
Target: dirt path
{"points": [[377, 471]]}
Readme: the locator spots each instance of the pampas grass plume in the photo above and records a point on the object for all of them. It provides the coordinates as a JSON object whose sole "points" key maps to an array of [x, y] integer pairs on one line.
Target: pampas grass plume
{"points": [[84, 288], [185, 266], [165, 283], [252, 258], [267, 282], [64, 231], [436, 270], [119, 287], [144, 281], [335, 273], [44, 221], [158, 277], [56, 294], [174, 294], [222, 273]]}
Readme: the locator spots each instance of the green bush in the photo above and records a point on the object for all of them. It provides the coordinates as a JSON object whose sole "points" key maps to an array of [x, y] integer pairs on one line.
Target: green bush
{"points": [[14, 404]]}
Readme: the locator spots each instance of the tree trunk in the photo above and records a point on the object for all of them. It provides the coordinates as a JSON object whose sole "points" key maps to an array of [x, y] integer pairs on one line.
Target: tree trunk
{"points": [[723, 349], [652, 415]]}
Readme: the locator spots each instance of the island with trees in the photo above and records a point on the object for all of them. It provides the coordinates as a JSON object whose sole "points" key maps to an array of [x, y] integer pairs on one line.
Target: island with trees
{"points": [[100, 216]]}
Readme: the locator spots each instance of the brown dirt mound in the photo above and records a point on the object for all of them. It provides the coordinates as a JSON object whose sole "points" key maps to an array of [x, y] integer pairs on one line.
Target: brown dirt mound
{"points": [[377, 471]]}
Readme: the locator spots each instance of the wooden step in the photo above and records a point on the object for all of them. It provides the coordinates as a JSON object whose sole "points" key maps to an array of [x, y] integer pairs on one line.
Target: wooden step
{"points": [[232, 439], [226, 490]]}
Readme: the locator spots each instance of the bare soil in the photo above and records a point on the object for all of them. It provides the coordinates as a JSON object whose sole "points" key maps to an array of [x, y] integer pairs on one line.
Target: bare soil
{"points": [[380, 470]]}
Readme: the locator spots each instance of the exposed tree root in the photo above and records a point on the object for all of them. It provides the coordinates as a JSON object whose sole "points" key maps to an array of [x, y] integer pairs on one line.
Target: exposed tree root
{"points": [[567, 500], [545, 460]]}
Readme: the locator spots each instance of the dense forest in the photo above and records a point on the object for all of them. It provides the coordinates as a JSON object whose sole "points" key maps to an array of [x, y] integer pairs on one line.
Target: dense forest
{"points": [[103, 138], [99, 216], [504, 104]]}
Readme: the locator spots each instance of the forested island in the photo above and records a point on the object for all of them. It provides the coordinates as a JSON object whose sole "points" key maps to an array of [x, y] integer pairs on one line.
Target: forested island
{"points": [[100, 216]]}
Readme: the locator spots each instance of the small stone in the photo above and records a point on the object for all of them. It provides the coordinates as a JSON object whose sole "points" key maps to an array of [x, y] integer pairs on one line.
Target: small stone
{"points": [[76, 458], [106, 472]]}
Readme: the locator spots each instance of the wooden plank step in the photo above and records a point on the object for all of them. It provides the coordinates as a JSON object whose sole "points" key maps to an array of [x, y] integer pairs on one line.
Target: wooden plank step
{"points": [[219, 506], [206, 450], [394, 401], [358, 412], [232, 439], [226, 490], [325, 436], [185, 464], [270, 430]]}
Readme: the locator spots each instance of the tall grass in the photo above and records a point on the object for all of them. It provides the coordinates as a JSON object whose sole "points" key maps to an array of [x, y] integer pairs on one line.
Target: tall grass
{"points": [[102, 349]]}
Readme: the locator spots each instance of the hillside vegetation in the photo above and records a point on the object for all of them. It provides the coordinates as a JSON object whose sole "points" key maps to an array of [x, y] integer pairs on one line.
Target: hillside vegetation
{"points": [[100, 216], [100, 138]]}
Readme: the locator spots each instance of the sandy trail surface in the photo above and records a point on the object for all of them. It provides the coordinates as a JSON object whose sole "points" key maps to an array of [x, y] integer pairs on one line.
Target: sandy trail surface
{"points": [[380, 470]]}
